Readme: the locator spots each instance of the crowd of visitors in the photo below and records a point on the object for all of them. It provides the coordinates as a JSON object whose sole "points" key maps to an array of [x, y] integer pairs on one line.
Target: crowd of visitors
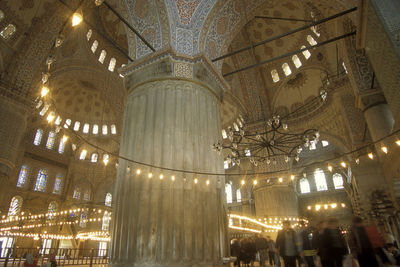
{"points": [[325, 245]]}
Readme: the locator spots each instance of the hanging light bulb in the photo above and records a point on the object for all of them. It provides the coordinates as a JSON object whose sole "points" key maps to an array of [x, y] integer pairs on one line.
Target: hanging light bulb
{"points": [[76, 19], [292, 177], [173, 177], [280, 179], [138, 171], [207, 182], [150, 175], [370, 155], [343, 164], [384, 149], [242, 182], [330, 168], [357, 161], [255, 182], [398, 142], [45, 90], [161, 176], [196, 180]]}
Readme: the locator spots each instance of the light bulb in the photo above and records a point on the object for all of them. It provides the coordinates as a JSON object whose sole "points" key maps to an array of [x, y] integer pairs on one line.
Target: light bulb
{"points": [[357, 160], [242, 182], [76, 19], [398, 142], [196, 180], [343, 164], [138, 171], [150, 175], [292, 177], [173, 177], [207, 182], [370, 155], [45, 90], [161, 176], [255, 182], [50, 117], [280, 179], [330, 168], [384, 149]]}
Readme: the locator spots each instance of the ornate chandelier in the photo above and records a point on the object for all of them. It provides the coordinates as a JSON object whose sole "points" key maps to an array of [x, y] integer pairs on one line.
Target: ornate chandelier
{"points": [[265, 145]]}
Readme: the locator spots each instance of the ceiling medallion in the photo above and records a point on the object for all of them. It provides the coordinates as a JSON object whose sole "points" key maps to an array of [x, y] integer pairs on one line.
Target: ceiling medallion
{"points": [[266, 145]]}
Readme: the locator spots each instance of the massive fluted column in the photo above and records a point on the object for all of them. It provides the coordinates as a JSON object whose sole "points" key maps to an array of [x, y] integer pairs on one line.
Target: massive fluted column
{"points": [[171, 119]]}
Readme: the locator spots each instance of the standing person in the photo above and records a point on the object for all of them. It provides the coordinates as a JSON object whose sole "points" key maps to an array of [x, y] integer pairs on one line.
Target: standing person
{"points": [[286, 245], [316, 241], [306, 248], [332, 245], [271, 251], [262, 248], [30, 261], [235, 251], [360, 245]]}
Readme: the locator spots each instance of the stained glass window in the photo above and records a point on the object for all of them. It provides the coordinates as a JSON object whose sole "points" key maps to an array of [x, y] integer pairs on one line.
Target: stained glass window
{"points": [[94, 157], [311, 40], [113, 129], [86, 128], [306, 53], [275, 76], [95, 129], [86, 195], [337, 181], [61, 146], [296, 61], [82, 156], [286, 69], [23, 175], [304, 186], [44, 109], [102, 56], [83, 220], [89, 34], [57, 184], [108, 200], [41, 180], [238, 196], [76, 126], [52, 209], [50, 140], [106, 222], [38, 137], [320, 180], [111, 66], [94, 46], [15, 206], [105, 130], [77, 193]]}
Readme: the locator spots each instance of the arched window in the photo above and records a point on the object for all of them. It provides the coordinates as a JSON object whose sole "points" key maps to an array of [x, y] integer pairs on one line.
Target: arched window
{"points": [[8, 31], [83, 220], [58, 120], [228, 192], [76, 126], [77, 192], [86, 195], [86, 128], [50, 140], [94, 157], [44, 109], [304, 186], [105, 130], [106, 158], [15, 206], [61, 146], [314, 30], [102, 56], [113, 129], [106, 222], [311, 40], [23, 175], [320, 180], [111, 66], [82, 156], [95, 129], [296, 61], [89, 34], [38, 137], [57, 184], [286, 69], [275, 76], [52, 209], [108, 200], [238, 196], [337, 181], [94, 46], [306, 53], [41, 180], [67, 123]]}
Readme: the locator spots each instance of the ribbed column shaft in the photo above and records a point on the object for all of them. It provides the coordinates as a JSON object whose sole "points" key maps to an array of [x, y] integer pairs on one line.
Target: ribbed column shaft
{"points": [[170, 123]]}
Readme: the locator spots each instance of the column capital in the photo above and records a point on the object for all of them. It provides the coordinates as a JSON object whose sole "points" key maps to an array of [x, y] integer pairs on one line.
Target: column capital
{"points": [[167, 64]]}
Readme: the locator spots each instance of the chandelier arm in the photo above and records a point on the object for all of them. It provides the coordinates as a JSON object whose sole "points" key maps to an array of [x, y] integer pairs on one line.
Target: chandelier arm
{"points": [[277, 148], [256, 152]]}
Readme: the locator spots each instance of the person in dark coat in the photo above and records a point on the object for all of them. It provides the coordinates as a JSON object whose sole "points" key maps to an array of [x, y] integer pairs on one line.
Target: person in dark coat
{"points": [[360, 245], [235, 251], [332, 245], [262, 249], [286, 244], [307, 248], [248, 251]]}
